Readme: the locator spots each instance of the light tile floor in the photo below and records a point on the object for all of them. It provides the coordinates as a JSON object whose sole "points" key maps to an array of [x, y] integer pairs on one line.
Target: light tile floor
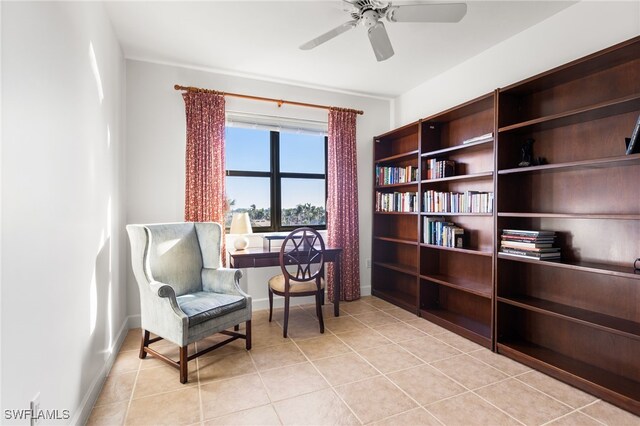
{"points": [[375, 363]]}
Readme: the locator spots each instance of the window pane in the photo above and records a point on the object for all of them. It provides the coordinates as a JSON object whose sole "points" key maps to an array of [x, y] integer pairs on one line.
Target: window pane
{"points": [[303, 202], [247, 149], [301, 153], [252, 195]]}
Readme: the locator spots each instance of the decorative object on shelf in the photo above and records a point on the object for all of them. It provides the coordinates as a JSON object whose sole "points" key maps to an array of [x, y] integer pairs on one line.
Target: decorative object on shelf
{"points": [[241, 225], [636, 265], [633, 146], [527, 153]]}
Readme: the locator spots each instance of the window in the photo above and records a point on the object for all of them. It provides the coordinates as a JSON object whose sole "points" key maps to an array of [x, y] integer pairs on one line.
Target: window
{"points": [[278, 177]]}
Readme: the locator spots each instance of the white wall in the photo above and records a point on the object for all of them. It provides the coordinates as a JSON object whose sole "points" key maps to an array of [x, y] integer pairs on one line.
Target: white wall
{"points": [[576, 31], [156, 148], [63, 282]]}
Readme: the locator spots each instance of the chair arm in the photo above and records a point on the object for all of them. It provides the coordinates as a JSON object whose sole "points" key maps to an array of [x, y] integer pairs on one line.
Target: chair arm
{"points": [[222, 280], [168, 297]]}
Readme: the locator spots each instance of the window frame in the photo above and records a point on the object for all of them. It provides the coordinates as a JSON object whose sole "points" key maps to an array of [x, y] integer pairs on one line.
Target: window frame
{"points": [[275, 176]]}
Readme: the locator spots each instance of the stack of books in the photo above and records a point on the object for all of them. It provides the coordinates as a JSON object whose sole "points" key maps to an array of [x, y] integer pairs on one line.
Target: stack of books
{"points": [[439, 232], [529, 244]]}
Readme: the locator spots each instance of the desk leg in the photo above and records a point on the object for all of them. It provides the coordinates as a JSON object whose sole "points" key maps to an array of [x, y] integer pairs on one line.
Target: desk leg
{"points": [[336, 287]]}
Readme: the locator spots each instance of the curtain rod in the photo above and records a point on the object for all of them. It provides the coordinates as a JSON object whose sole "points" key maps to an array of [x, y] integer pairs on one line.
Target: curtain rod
{"points": [[280, 102]]}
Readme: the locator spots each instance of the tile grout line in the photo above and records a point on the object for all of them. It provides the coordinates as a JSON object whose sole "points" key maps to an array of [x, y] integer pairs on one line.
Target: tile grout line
{"points": [[328, 382], [266, 391]]}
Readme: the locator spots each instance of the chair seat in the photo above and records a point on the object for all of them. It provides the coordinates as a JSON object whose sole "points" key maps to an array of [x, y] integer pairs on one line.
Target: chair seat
{"points": [[277, 284], [203, 305]]}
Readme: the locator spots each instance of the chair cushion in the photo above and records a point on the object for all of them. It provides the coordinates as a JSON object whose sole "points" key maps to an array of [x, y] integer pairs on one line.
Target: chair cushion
{"points": [[203, 305], [277, 283]]}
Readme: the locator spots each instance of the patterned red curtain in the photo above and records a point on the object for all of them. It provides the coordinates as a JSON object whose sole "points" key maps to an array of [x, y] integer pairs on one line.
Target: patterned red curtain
{"points": [[342, 202], [204, 191]]}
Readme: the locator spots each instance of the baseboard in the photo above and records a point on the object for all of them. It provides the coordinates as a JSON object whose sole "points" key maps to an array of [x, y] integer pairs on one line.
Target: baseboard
{"points": [[84, 409], [134, 321]]}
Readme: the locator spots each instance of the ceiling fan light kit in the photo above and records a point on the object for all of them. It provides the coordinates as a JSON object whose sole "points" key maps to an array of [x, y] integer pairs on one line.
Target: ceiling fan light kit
{"points": [[369, 13]]}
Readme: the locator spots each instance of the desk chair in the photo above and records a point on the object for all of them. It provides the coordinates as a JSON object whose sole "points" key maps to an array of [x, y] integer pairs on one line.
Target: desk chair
{"points": [[302, 264]]}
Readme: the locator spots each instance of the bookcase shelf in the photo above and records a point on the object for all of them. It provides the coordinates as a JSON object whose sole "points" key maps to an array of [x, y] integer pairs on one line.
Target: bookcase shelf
{"points": [[576, 318], [604, 322], [397, 240], [589, 113], [405, 269], [398, 213], [459, 250], [470, 328], [456, 214], [398, 157], [395, 185], [572, 215], [592, 267], [589, 377], [486, 144], [470, 286], [619, 161], [474, 176]]}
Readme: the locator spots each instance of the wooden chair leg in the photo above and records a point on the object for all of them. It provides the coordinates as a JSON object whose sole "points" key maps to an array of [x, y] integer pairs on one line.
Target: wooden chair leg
{"points": [[248, 335], [144, 342], [236, 327], [319, 308], [270, 304], [286, 317], [183, 365]]}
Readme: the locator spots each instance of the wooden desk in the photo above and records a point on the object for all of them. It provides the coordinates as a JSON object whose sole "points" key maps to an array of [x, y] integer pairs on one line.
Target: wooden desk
{"points": [[260, 258]]}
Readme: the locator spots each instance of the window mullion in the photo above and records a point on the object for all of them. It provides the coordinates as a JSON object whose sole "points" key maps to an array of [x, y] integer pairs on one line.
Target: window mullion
{"points": [[275, 181]]}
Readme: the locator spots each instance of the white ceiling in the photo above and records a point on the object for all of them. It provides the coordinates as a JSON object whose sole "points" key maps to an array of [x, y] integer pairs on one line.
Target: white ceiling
{"points": [[260, 39]]}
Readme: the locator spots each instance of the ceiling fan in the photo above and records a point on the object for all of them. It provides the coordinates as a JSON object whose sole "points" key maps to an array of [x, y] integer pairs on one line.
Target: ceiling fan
{"points": [[370, 12]]}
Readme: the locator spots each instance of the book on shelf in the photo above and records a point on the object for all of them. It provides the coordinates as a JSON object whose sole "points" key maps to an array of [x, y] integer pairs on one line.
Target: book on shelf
{"points": [[527, 233], [527, 245], [400, 202], [634, 146], [391, 175], [457, 202], [481, 138], [530, 255], [437, 169]]}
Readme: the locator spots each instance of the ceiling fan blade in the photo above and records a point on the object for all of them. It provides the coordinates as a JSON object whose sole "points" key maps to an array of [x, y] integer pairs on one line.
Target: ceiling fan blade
{"points": [[329, 35], [445, 12], [380, 42]]}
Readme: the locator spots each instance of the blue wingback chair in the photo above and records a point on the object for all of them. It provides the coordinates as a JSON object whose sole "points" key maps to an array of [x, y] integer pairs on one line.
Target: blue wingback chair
{"points": [[185, 295]]}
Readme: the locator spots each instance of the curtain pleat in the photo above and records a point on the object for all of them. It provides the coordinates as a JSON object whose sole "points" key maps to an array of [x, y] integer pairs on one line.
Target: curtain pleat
{"points": [[342, 202], [204, 165]]}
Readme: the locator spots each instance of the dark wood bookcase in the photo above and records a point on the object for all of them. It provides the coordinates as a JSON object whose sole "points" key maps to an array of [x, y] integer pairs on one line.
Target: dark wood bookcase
{"points": [[394, 275], [577, 318], [456, 284]]}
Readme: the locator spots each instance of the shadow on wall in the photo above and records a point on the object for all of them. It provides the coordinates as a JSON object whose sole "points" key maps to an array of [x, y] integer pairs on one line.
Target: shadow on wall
{"points": [[100, 322]]}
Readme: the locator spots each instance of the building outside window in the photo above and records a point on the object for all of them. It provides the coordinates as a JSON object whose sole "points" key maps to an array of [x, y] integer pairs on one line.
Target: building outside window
{"points": [[277, 175]]}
